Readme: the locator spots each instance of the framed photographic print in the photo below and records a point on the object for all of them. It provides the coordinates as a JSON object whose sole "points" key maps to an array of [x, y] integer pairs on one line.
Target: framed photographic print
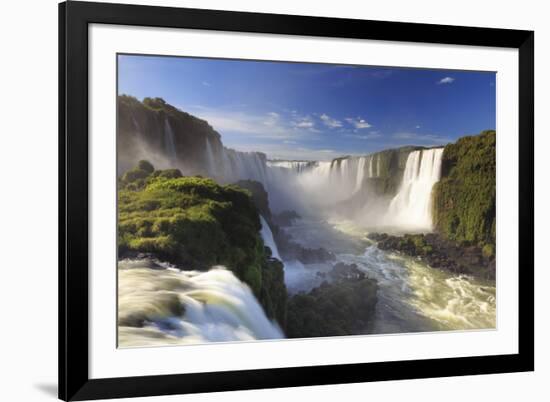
{"points": [[257, 201]]}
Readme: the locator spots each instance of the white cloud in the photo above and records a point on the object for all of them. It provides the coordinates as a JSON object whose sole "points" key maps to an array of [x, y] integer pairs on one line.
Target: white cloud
{"points": [[290, 151], [370, 136], [206, 83], [272, 119], [271, 125], [417, 139], [330, 122], [358, 122], [417, 127], [446, 80], [303, 122]]}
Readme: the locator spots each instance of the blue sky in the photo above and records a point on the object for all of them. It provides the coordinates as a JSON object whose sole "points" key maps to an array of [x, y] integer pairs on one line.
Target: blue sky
{"points": [[317, 111]]}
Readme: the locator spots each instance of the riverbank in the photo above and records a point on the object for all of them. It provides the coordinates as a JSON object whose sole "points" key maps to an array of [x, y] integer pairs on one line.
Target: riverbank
{"points": [[441, 253]]}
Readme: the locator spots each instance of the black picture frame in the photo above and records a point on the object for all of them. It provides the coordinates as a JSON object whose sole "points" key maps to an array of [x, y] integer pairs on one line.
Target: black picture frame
{"points": [[74, 18]]}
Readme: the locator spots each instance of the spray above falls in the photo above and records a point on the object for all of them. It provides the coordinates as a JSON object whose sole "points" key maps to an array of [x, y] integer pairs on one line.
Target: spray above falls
{"points": [[386, 188], [389, 189]]}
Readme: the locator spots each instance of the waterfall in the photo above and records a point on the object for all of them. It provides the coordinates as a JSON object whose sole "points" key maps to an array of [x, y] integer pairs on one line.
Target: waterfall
{"points": [[326, 186], [370, 167], [137, 127], [411, 207], [267, 237], [360, 173], [210, 160], [291, 166], [242, 166], [168, 306], [169, 144]]}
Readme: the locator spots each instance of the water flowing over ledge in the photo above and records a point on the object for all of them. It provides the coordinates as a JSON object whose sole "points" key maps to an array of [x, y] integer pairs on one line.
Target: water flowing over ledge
{"points": [[412, 206], [165, 306]]}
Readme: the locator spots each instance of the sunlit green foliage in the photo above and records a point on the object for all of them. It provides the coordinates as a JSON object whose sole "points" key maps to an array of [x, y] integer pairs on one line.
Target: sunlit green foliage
{"points": [[488, 250], [464, 198]]}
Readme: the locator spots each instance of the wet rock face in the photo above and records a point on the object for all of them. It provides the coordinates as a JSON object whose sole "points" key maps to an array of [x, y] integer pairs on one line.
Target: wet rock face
{"points": [[285, 218], [341, 271], [142, 129], [441, 253], [293, 251]]}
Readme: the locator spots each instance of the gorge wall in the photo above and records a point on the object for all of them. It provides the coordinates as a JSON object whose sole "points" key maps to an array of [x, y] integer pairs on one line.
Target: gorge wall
{"points": [[464, 199], [170, 138]]}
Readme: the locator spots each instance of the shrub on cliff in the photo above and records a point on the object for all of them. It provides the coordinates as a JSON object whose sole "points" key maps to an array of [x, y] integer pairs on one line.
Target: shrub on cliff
{"points": [[196, 223], [464, 198]]}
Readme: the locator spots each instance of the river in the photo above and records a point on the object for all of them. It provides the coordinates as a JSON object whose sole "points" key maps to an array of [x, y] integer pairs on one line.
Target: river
{"points": [[412, 296]]}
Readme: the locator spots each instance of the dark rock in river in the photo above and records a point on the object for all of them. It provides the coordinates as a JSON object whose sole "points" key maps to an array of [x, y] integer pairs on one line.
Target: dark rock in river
{"points": [[286, 218], [344, 306], [342, 271], [290, 250]]}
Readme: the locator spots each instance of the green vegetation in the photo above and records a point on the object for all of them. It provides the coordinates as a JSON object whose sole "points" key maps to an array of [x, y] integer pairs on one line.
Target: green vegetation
{"points": [[195, 223], [259, 196], [488, 250], [464, 198], [413, 244]]}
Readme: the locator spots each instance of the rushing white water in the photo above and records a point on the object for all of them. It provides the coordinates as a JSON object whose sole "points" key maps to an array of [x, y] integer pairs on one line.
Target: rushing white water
{"points": [[169, 144], [166, 306], [411, 297], [267, 237], [412, 205]]}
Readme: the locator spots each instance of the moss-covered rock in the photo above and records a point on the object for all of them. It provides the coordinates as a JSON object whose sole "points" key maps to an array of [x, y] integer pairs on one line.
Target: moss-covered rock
{"points": [[464, 200], [442, 253], [195, 223]]}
